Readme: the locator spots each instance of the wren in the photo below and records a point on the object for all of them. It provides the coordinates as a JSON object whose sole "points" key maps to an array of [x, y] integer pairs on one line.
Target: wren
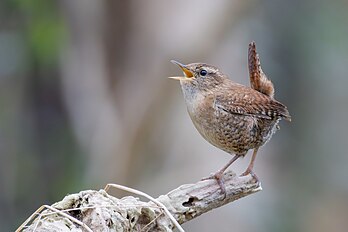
{"points": [[231, 116]]}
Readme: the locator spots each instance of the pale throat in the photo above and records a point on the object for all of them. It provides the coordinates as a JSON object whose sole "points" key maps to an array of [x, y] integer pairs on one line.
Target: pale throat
{"points": [[192, 96]]}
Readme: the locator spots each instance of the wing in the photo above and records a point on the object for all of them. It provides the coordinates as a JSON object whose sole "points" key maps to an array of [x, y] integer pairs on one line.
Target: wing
{"points": [[258, 80], [246, 101]]}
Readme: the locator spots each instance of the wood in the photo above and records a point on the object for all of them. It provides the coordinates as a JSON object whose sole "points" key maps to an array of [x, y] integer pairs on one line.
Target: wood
{"points": [[99, 211]]}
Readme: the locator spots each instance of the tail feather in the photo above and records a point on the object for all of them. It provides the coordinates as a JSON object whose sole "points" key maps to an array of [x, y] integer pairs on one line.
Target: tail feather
{"points": [[258, 80]]}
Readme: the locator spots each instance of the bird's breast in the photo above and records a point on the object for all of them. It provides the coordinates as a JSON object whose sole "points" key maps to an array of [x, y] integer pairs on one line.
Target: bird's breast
{"points": [[200, 107]]}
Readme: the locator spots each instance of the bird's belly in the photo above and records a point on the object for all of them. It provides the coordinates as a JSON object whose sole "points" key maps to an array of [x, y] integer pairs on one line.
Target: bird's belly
{"points": [[235, 134]]}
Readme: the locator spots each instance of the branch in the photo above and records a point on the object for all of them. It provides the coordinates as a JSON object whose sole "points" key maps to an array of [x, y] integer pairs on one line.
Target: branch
{"points": [[92, 210]]}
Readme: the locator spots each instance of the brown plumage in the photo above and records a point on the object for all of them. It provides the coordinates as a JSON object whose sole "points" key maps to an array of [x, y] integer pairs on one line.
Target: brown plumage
{"points": [[232, 117], [258, 80]]}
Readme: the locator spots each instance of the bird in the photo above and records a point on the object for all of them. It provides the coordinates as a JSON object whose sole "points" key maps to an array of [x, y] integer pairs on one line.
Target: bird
{"points": [[232, 117]]}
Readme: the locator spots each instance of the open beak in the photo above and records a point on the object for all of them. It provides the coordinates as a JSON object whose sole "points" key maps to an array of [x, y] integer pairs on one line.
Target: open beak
{"points": [[188, 74]]}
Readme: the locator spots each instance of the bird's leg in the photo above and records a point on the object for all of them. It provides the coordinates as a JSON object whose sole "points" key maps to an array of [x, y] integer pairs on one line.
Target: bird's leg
{"points": [[218, 176], [249, 169]]}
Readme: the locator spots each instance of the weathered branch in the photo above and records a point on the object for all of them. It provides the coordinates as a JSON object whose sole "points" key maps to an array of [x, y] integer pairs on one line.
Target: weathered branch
{"points": [[99, 211]]}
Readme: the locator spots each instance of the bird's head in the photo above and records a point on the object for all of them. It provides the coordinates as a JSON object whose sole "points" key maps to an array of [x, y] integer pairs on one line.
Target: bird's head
{"points": [[199, 75]]}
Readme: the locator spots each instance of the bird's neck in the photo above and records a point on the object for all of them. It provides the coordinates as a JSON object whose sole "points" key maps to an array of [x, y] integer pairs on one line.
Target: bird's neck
{"points": [[190, 91]]}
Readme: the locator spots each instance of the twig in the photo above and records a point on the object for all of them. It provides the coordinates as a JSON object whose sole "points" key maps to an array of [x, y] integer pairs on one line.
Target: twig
{"points": [[56, 211], [148, 197]]}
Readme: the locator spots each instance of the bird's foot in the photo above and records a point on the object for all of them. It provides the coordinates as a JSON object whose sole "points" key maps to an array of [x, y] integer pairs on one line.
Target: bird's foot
{"points": [[250, 171], [218, 176]]}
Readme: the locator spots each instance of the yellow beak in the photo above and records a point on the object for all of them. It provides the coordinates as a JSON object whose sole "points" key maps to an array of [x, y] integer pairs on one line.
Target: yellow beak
{"points": [[188, 74]]}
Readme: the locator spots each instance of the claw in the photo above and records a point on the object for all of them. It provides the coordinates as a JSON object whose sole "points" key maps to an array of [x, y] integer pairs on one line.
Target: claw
{"points": [[220, 180], [247, 172], [218, 176]]}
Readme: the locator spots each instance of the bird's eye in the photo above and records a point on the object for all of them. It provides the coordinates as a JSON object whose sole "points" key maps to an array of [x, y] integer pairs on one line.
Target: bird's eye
{"points": [[203, 72]]}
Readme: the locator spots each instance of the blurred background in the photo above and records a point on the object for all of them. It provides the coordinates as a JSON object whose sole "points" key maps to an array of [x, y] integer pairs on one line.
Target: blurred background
{"points": [[85, 100]]}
